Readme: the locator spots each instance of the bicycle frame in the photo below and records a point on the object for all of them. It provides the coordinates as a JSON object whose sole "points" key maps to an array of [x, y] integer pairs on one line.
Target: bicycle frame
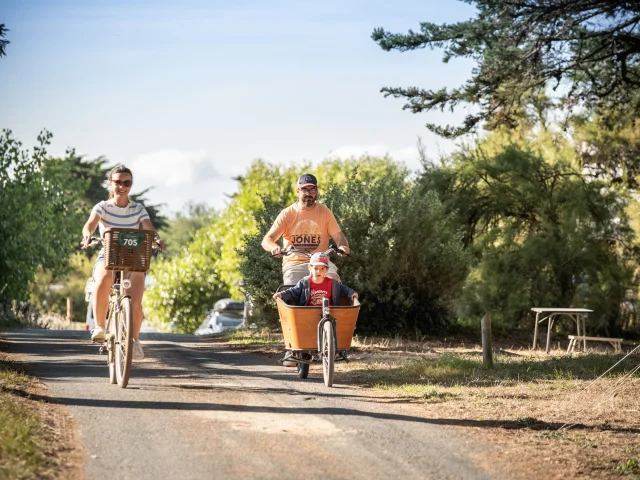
{"points": [[326, 317], [116, 294]]}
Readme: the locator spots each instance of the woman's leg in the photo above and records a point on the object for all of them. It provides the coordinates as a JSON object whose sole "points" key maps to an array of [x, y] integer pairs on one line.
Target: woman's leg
{"points": [[135, 292], [104, 280]]}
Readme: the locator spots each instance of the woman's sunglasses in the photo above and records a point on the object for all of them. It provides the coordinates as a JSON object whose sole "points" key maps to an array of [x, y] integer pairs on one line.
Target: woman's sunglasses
{"points": [[122, 183]]}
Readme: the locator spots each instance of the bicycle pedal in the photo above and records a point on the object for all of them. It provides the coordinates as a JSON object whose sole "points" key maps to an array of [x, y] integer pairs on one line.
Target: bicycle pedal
{"points": [[103, 350]]}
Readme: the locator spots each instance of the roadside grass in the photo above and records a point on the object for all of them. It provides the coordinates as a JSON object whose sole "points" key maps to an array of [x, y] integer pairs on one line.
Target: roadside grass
{"points": [[630, 468], [31, 317], [465, 369], [24, 438], [250, 337], [529, 401]]}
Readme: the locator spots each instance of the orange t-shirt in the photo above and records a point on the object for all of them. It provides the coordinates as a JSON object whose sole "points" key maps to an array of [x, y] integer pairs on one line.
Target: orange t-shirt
{"points": [[308, 230]]}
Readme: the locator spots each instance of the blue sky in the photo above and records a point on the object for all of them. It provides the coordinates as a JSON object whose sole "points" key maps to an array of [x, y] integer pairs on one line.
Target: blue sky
{"points": [[189, 93]]}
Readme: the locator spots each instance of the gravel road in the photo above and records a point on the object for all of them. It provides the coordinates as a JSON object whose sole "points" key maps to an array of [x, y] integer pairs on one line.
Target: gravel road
{"points": [[196, 409]]}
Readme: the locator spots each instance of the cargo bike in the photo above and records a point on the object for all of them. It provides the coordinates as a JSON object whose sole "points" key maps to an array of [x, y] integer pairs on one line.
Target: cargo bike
{"points": [[317, 333]]}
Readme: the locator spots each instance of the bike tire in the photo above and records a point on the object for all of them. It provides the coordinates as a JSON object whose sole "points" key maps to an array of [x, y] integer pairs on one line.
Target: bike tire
{"points": [[113, 379], [303, 368], [111, 350], [124, 342], [328, 353]]}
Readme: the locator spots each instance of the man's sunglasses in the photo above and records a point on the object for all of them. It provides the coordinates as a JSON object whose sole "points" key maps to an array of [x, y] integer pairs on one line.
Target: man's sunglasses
{"points": [[309, 190], [122, 183]]}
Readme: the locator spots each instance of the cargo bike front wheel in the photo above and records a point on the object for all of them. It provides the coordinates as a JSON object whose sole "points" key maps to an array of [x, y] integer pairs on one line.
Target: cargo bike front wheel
{"points": [[328, 351]]}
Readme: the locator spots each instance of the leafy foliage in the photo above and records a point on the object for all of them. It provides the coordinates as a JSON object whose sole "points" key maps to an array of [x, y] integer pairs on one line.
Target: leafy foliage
{"points": [[185, 288], [48, 294], [181, 229], [39, 221], [524, 46], [391, 230], [409, 263], [261, 273], [544, 234], [610, 146], [3, 41]]}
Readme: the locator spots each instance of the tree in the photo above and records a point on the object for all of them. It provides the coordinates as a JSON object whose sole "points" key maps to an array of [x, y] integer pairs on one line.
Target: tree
{"points": [[407, 262], [38, 215], [3, 41], [94, 173], [543, 233], [609, 144], [183, 226], [521, 47]]}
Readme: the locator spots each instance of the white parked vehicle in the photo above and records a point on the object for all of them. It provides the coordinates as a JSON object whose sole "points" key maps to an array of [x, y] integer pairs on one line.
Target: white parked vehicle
{"points": [[227, 314]]}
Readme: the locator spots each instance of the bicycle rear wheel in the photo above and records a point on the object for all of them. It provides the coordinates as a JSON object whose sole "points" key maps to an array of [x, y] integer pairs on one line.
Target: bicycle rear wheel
{"points": [[124, 342], [328, 353]]}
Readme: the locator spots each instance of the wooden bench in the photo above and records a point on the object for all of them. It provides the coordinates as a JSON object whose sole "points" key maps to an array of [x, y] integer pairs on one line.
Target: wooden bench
{"points": [[575, 339]]}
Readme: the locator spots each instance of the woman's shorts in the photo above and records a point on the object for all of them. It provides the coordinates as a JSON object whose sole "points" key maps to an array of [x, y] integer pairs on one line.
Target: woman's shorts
{"points": [[100, 259]]}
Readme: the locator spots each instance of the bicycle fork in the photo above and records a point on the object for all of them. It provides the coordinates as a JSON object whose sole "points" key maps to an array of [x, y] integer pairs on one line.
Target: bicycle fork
{"points": [[326, 317]]}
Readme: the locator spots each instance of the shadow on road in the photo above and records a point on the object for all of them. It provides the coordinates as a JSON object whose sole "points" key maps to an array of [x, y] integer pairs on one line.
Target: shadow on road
{"points": [[336, 411], [57, 357]]}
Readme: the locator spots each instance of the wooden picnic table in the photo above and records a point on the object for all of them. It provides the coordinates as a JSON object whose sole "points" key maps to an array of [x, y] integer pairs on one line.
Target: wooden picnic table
{"points": [[577, 315]]}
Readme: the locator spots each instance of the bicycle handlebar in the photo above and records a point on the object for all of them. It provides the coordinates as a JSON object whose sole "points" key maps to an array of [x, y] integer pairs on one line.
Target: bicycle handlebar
{"points": [[291, 250]]}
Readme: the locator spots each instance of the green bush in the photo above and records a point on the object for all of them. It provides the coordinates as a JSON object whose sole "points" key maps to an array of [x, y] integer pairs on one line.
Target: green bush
{"points": [[407, 260], [543, 233], [39, 222], [261, 273], [185, 288]]}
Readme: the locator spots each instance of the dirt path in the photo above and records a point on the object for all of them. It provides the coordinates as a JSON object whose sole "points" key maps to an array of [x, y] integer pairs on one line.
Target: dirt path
{"points": [[197, 410]]}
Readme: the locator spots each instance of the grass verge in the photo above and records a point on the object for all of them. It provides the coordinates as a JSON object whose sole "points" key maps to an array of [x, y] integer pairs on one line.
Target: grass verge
{"points": [[25, 443], [530, 402], [250, 337]]}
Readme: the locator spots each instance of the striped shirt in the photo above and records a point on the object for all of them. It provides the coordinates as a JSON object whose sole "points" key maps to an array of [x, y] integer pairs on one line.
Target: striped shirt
{"points": [[112, 216]]}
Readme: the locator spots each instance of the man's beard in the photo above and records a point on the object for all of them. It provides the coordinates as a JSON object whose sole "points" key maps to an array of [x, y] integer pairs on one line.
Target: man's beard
{"points": [[308, 201]]}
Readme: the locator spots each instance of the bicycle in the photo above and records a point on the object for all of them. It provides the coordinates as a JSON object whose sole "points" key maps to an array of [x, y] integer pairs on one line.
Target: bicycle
{"points": [[126, 250], [308, 338]]}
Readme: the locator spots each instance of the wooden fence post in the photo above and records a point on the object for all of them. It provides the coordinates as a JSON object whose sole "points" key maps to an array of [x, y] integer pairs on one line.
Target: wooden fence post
{"points": [[487, 351], [69, 310]]}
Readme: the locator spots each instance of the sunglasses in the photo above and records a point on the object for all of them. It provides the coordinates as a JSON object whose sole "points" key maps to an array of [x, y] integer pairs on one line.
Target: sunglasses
{"points": [[122, 183], [309, 190]]}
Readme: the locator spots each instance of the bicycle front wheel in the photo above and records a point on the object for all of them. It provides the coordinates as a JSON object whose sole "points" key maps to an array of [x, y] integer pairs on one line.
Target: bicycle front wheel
{"points": [[328, 353], [110, 344], [124, 341]]}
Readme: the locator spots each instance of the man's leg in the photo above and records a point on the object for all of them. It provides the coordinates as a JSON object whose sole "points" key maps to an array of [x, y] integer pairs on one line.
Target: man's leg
{"points": [[295, 273]]}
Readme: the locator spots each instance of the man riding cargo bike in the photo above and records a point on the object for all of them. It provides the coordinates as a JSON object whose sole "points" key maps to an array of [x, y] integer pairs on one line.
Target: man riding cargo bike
{"points": [[323, 327]]}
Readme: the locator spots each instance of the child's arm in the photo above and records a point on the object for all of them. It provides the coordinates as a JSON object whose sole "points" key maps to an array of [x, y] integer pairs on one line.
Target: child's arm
{"points": [[346, 292], [290, 293]]}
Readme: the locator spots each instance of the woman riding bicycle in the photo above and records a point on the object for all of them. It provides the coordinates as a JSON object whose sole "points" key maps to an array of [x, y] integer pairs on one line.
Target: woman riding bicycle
{"points": [[117, 212]]}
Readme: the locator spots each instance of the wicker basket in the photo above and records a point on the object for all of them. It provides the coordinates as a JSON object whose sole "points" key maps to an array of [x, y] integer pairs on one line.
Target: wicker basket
{"points": [[127, 249]]}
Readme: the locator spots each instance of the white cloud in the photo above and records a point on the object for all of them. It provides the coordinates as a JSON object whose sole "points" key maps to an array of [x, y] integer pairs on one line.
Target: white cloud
{"points": [[408, 155], [173, 168], [177, 177]]}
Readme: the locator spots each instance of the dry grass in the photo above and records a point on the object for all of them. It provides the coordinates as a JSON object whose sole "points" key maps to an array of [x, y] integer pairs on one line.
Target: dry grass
{"points": [[23, 435], [13, 317], [546, 414], [548, 408], [37, 439]]}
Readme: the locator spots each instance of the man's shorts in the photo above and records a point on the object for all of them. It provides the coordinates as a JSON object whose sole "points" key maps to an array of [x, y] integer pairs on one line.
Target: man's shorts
{"points": [[295, 273]]}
